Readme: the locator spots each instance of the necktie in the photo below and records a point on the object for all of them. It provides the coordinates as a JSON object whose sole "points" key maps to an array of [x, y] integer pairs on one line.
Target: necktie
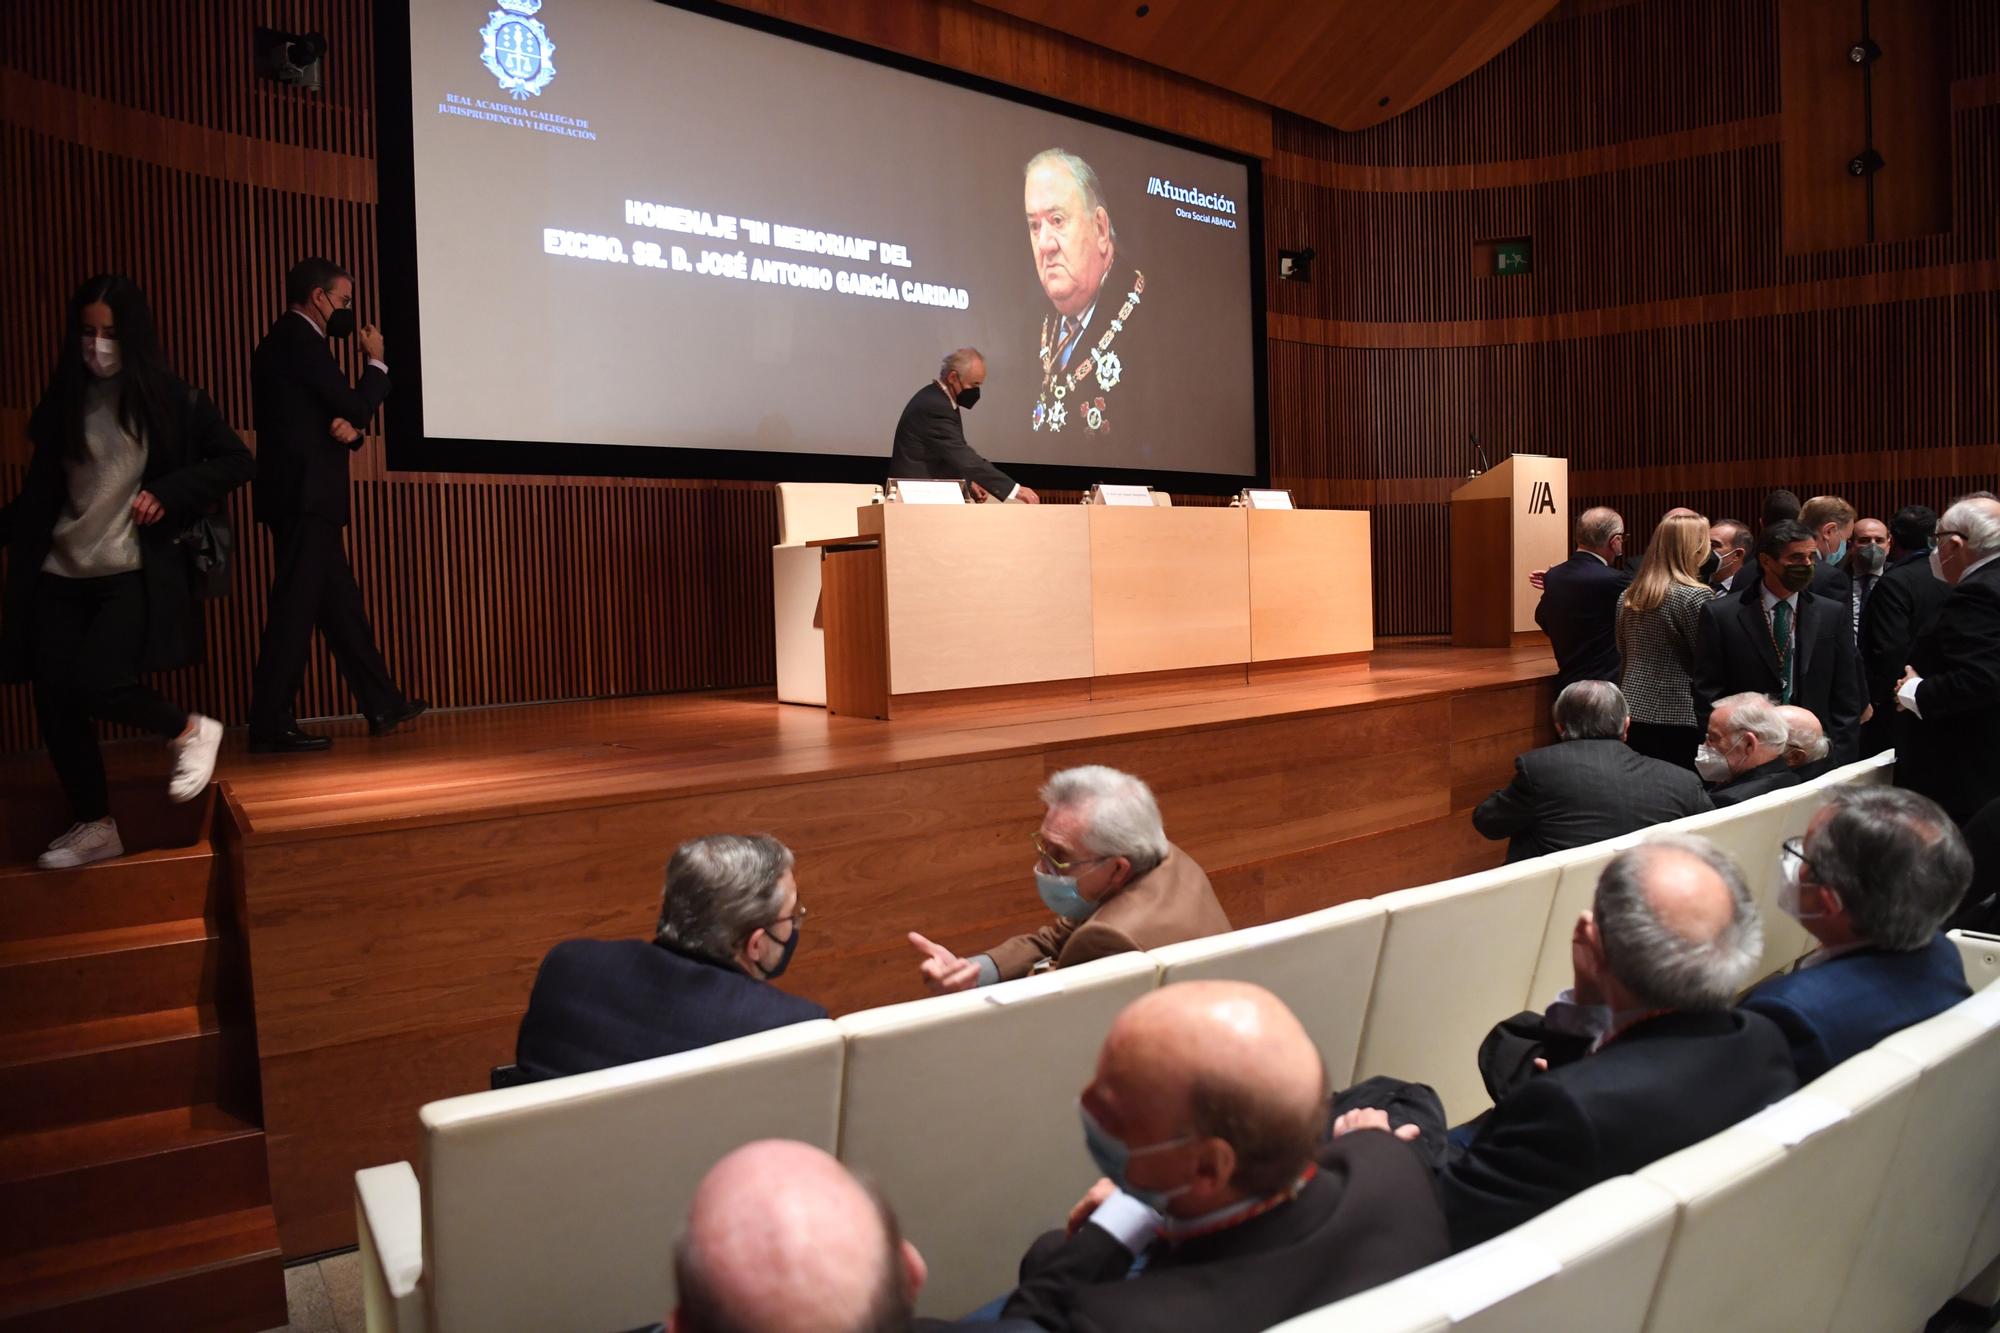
{"points": [[1781, 634]]}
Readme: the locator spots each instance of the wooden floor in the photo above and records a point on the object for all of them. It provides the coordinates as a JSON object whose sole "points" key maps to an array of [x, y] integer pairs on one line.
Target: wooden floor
{"points": [[400, 892]]}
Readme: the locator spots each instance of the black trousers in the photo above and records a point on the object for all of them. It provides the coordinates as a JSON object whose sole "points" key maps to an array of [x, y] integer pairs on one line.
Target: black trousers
{"points": [[313, 585], [89, 635]]}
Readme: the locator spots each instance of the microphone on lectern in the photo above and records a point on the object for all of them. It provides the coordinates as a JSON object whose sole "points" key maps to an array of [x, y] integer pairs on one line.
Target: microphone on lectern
{"points": [[1478, 456]]}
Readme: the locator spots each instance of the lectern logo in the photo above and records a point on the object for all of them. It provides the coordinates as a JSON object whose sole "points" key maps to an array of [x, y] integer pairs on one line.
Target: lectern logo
{"points": [[518, 51], [1541, 498]]}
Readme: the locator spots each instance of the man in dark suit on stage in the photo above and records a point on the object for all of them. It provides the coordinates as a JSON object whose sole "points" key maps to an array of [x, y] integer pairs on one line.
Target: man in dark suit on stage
{"points": [[930, 435], [1874, 878], [1776, 638], [1579, 606], [1952, 688], [1645, 1056], [729, 922], [1205, 1115], [1900, 610], [1589, 787], [309, 418]]}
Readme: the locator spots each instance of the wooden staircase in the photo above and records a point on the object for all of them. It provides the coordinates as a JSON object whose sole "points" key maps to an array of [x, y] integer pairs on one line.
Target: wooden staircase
{"points": [[133, 1186]]}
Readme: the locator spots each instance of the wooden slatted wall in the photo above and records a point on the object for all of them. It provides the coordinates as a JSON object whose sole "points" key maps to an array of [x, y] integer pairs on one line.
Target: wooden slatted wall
{"points": [[1666, 343]]}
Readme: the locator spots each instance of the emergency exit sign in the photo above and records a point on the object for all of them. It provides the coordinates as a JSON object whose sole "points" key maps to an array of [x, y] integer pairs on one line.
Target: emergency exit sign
{"points": [[1512, 257]]}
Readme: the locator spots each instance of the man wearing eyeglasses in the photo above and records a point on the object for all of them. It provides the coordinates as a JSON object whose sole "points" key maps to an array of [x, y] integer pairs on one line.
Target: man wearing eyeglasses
{"points": [[1873, 880], [1949, 745], [729, 924], [1104, 866]]}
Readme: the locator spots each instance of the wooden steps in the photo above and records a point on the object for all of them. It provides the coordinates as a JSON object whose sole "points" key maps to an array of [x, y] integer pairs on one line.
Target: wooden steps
{"points": [[134, 1189]]}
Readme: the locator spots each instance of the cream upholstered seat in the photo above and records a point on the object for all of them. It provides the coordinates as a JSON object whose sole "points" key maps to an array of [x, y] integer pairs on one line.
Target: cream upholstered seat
{"points": [[1942, 1176], [962, 1108], [1599, 1253], [807, 511], [1752, 833], [1456, 958], [1576, 888], [1767, 1226], [1322, 965], [553, 1205]]}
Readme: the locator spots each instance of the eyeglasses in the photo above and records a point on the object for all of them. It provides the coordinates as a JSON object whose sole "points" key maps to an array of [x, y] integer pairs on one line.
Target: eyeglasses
{"points": [[1792, 856], [1061, 867], [796, 918], [1942, 533]]}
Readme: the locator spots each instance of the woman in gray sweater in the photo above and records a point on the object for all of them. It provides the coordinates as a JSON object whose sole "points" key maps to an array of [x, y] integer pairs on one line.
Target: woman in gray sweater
{"points": [[1659, 624], [98, 591]]}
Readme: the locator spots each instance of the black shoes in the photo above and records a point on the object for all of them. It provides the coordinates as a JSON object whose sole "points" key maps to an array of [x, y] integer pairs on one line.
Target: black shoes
{"points": [[407, 711], [292, 741]]}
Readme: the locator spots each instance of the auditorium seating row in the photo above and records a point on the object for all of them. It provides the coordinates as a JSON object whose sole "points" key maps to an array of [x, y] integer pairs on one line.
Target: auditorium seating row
{"points": [[1862, 1202]]}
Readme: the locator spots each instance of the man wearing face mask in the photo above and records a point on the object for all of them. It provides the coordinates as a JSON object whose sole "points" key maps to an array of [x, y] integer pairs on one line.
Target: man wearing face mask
{"points": [[309, 418], [1743, 754], [1948, 746], [1104, 866], [1779, 639], [1873, 880], [1830, 520], [930, 435], [729, 924], [1867, 558], [1729, 543], [1206, 1115], [1901, 609]]}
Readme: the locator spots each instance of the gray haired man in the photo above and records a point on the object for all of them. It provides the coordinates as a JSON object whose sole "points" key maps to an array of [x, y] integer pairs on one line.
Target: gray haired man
{"points": [[1590, 787], [729, 924], [1743, 754], [1948, 746], [1104, 866]]}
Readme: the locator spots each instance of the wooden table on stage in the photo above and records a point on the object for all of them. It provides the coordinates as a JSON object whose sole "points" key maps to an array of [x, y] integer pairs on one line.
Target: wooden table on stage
{"points": [[930, 602]]}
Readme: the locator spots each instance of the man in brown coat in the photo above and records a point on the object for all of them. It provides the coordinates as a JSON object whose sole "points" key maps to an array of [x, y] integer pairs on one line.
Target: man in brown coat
{"points": [[1105, 868]]}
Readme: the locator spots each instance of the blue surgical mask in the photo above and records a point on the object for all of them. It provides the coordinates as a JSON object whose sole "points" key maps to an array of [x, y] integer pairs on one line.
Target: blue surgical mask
{"points": [[1060, 894], [1112, 1157], [1839, 553]]}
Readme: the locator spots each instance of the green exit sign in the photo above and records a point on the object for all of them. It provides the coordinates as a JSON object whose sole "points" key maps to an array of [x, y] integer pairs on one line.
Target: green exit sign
{"points": [[1512, 257]]}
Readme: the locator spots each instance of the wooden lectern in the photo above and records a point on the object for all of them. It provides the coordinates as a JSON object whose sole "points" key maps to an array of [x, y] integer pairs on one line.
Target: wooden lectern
{"points": [[1505, 523]]}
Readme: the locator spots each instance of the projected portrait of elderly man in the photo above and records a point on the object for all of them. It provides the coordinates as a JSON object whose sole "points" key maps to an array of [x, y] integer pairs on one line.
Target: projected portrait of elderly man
{"points": [[1087, 348]]}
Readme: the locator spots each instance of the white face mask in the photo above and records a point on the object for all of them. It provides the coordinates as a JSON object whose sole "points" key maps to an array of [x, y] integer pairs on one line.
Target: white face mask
{"points": [[1711, 764], [1788, 888], [1937, 565], [102, 356]]}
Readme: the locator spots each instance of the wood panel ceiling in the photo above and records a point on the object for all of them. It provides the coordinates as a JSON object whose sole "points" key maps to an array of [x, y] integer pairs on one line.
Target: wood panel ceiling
{"points": [[1346, 63]]}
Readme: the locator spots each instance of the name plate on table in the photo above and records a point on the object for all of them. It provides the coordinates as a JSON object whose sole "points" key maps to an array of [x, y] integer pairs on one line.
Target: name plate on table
{"points": [[1110, 493], [1259, 499], [926, 491]]}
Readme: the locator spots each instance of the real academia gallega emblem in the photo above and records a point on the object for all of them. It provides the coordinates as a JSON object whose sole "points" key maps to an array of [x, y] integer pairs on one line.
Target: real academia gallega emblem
{"points": [[518, 51]]}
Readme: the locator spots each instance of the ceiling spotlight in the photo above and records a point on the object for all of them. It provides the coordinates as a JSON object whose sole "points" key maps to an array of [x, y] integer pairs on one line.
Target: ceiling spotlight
{"points": [[1864, 52], [1865, 163]]}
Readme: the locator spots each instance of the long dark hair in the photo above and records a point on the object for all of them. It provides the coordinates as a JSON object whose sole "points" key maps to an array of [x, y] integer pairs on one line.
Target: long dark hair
{"points": [[145, 392]]}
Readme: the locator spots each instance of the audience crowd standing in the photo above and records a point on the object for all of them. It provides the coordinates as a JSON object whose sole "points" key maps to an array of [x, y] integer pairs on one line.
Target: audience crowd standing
{"points": [[1237, 1190]]}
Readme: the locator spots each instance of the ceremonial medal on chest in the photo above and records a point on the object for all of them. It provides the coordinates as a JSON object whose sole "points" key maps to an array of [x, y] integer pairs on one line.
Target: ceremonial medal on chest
{"points": [[1054, 406]]}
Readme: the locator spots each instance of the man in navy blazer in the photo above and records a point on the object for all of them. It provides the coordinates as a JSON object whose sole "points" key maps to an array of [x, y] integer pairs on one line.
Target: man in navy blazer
{"points": [[1579, 606], [729, 923], [1874, 878], [1779, 639]]}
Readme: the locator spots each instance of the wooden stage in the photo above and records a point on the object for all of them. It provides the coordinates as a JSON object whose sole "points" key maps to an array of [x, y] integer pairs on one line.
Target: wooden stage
{"points": [[399, 893]]}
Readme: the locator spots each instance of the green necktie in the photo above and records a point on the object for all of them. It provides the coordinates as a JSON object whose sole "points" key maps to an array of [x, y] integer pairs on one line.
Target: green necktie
{"points": [[1781, 631]]}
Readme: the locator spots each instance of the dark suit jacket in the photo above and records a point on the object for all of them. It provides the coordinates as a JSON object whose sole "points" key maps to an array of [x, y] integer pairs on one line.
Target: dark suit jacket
{"points": [[1951, 752], [930, 442], [1772, 776], [1734, 655], [1585, 791], [1903, 607], [1169, 903], [1371, 1214], [1657, 1087], [1579, 613], [1847, 1004], [599, 1003], [1831, 582], [296, 391]]}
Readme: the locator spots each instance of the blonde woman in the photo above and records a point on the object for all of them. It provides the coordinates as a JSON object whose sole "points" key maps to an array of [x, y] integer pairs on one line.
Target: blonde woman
{"points": [[1659, 621]]}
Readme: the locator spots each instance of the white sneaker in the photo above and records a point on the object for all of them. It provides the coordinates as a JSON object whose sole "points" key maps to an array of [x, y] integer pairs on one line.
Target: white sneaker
{"points": [[82, 844], [194, 759]]}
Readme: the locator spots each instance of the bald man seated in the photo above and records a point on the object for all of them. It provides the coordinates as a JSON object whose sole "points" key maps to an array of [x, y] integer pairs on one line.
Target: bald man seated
{"points": [[1207, 1116], [1645, 1055], [781, 1239], [1807, 752]]}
